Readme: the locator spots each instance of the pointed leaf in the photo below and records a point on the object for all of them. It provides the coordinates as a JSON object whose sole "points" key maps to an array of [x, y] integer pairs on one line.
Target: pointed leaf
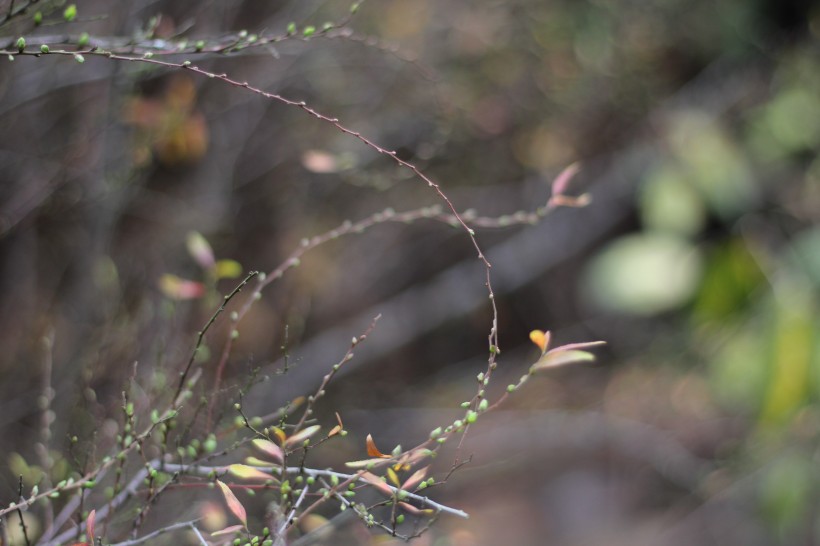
{"points": [[364, 463], [228, 530], [269, 448], [90, 524], [559, 186], [301, 436], [245, 472], [393, 477], [334, 431], [416, 511], [561, 358], [377, 482], [582, 345], [372, 450], [227, 269], [200, 250], [415, 479], [234, 505]]}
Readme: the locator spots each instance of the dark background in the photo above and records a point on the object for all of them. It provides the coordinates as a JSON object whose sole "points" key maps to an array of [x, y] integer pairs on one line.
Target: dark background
{"points": [[697, 125]]}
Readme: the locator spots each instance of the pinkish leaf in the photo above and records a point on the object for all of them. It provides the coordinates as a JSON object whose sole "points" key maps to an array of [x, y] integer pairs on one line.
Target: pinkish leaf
{"points": [[234, 505], [301, 436], [415, 479], [90, 524], [377, 482], [559, 186], [269, 448], [180, 289], [554, 359]]}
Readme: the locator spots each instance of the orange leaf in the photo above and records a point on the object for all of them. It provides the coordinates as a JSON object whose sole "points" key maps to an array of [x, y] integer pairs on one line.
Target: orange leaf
{"points": [[279, 433], [233, 503], [541, 339], [334, 431], [372, 450]]}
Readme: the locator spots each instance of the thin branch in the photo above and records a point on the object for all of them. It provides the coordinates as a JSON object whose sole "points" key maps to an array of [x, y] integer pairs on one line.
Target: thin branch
{"points": [[158, 532]]}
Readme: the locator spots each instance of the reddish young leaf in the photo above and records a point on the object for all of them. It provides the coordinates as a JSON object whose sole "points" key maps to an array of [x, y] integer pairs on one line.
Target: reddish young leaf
{"points": [[90, 523], [559, 186], [416, 511], [372, 450], [415, 479], [234, 505], [377, 482]]}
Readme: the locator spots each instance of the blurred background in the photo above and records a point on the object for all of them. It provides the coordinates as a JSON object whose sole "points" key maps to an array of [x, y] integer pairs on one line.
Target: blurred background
{"points": [[697, 127]]}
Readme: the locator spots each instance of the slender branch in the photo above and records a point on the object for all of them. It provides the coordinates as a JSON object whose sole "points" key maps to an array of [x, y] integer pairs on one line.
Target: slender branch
{"points": [[158, 532], [201, 334]]}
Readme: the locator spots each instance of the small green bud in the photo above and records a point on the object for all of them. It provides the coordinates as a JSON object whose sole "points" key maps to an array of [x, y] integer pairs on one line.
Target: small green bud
{"points": [[510, 387], [70, 13], [84, 39], [483, 405], [435, 433], [38, 18], [291, 28], [21, 44], [308, 31], [200, 45], [79, 58], [471, 417]]}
